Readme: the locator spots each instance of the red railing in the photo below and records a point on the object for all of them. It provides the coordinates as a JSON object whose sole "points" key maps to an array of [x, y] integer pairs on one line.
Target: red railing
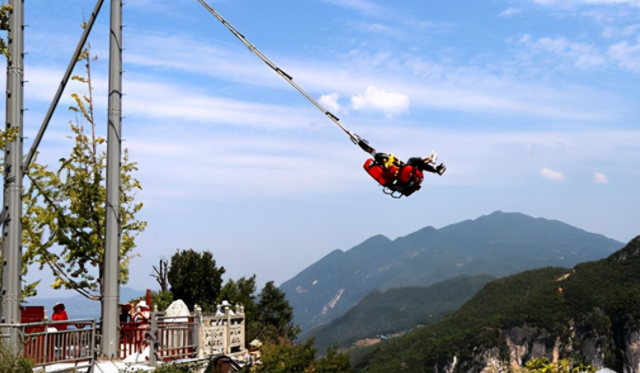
{"points": [[45, 344], [133, 338]]}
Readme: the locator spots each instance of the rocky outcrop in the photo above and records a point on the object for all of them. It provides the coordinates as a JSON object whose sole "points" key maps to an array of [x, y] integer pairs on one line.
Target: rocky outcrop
{"points": [[526, 343], [632, 353]]}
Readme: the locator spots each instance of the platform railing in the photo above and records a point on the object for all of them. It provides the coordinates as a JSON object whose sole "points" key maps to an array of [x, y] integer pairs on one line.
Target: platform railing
{"points": [[173, 338], [57, 342]]}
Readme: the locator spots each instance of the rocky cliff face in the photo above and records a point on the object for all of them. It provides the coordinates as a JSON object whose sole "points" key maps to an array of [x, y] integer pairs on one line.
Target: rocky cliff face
{"points": [[632, 352], [526, 343]]}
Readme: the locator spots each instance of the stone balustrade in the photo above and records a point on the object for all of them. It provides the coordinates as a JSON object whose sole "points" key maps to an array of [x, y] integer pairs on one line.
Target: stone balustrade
{"points": [[222, 334]]}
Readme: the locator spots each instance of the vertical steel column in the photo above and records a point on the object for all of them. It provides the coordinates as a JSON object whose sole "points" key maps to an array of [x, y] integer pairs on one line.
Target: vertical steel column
{"points": [[110, 295], [12, 206]]}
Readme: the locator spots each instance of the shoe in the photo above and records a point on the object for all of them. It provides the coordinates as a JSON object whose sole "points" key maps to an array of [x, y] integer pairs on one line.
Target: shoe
{"points": [[441, 169], [431, 158]]}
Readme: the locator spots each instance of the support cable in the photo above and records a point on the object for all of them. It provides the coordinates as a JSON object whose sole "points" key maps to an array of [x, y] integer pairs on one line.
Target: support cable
{"points": [[355, 138], [65, 79]]}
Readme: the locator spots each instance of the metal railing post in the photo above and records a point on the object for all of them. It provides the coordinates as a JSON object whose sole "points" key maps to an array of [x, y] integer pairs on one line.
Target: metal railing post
{"points": [[153, 338]]}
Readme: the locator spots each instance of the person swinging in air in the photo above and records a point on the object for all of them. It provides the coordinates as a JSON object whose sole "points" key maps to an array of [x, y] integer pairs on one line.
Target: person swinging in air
{"points": [[399, 178]]}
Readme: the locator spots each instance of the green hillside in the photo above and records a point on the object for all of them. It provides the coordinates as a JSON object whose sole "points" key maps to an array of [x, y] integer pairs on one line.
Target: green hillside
{"points": [[591, 313], [397, 310]]}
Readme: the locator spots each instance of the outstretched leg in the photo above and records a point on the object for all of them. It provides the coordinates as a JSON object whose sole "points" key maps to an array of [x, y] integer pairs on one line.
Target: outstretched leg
{"points": [[439, 169]]}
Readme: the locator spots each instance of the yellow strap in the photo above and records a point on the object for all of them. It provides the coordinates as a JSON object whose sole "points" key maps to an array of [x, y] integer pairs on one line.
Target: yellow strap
{"points": [[390, 161]]}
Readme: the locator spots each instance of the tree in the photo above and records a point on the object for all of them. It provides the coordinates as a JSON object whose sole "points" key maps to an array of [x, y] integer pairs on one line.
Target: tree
{"points": [[161, 299], [64, 219], [332, 362], [5, 14], [195, 279], [242, 292], [274, 316], [161, 275], [285, 357]]}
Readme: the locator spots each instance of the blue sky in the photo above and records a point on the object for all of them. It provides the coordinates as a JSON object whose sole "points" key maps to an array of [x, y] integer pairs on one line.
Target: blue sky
{"points": [[532, 104]]}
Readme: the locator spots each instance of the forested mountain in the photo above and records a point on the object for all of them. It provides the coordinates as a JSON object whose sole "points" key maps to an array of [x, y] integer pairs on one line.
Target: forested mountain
{"points": [[498, 244], [590, 313], [397, 310]]}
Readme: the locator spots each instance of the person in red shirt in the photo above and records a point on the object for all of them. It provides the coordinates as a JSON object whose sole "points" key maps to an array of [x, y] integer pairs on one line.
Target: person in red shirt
{"points": [[59, 314]]}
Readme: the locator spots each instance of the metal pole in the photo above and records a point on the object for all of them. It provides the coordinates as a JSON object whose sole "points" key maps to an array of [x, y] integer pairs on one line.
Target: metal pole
{"points": [[12, 206], [112, 240], [63, 84]]}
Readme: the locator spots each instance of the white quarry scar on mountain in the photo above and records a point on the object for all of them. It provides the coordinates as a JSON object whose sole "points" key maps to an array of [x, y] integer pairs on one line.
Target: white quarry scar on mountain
{"points": [[332, 303]]}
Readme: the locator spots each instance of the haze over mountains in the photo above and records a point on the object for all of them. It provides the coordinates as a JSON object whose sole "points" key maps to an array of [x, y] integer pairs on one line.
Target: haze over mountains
{"points": [[396, 310], [498, 245]]}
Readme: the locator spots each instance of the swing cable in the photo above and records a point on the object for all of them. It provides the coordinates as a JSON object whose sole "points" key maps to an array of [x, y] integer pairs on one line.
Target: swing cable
{"points": [[354, 138]]}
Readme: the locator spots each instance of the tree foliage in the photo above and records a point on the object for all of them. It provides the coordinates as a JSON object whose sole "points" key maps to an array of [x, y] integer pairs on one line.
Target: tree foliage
{"points": [[9, 363], [284, 356], [5, 15], [161, 299], [195, 278], [599, 304], [274, 316], [542, 365], [332, 362], [64, 220]]}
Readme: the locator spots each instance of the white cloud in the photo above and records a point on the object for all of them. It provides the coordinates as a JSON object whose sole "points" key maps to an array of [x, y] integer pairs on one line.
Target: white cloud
{"points": [[510, 12], [579, 54], [626, 55], [551, 175], [591, 2], [330, 102], [364, 6], [600, 178], [379, 100], [442, 86], [615, 32]]}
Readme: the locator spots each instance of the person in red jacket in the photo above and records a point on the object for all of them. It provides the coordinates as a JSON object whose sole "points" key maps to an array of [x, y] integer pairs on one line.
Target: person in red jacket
{"points": [[59, 314], [400, 177], [59, 345]]}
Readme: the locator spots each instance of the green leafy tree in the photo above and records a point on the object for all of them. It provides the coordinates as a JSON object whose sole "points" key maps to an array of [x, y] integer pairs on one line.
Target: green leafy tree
{"points": [[332, 362], [9, 363], [274, 316], [161, 299], [243, 292], [285, 357], [64, 209], [542, 365], [5, 14], [195, 279]]}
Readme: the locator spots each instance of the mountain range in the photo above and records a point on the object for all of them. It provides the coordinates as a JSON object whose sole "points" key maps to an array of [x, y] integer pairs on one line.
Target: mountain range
{"points": [[498, 245]]}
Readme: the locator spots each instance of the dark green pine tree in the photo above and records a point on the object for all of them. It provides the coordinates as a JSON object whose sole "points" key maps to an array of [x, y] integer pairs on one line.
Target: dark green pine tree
{"points": [[195, 278]]}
